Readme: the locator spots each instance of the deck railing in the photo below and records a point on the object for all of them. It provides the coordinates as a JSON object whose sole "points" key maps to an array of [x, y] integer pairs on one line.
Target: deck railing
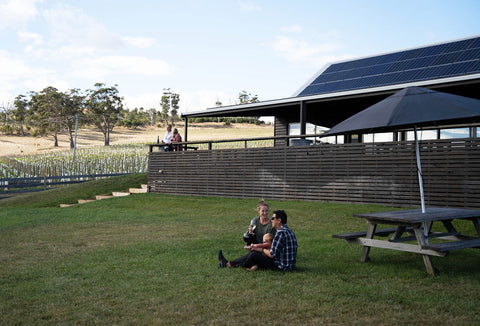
{"points": [[238, 143]]}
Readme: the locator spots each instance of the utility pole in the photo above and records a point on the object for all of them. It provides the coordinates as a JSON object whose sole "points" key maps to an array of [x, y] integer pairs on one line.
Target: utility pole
{"points": [[75, 140]]}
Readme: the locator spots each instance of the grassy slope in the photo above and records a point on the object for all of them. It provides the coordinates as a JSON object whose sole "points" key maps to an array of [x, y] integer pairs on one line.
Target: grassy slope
{"points": [[71, 193], [150, 259]]}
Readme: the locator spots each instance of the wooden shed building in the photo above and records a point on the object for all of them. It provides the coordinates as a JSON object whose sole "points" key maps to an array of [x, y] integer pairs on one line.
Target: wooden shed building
{"points": [[360, 169]]}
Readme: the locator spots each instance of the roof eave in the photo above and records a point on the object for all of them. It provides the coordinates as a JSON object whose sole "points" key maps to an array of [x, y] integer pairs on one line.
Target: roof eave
{"points": [[259, 106]]}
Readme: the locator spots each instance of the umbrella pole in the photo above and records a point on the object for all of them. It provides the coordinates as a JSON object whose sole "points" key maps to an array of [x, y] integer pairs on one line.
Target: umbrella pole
{"points": [[420, 183], [419, 169]]}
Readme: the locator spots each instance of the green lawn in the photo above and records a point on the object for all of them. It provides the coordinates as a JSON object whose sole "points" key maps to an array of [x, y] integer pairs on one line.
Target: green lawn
{"points": [[150, 259]]}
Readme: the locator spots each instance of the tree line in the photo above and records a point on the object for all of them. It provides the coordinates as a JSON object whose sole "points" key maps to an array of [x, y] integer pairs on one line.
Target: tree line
{"points": [[51, 111]]}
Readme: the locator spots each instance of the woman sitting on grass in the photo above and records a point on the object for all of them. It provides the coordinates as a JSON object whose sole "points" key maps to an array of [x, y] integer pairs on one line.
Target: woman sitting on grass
{"points": [[260, 225]]}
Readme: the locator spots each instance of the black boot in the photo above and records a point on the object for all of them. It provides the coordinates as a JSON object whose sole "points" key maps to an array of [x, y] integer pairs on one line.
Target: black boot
{"points": [[222, 262]]}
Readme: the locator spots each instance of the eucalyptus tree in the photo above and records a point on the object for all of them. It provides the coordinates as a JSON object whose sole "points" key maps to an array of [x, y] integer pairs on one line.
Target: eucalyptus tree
{"points": [[20, 112], [244, 97], [169, 104], [73, 107], [137, 117], [47, 112], [152, 114], [165, 103], [53, 111], [6, 115], [104, 108], [174, 100]]}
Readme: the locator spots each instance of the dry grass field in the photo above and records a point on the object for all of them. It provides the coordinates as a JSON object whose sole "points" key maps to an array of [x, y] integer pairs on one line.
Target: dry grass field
{"points": [[87, 137]]}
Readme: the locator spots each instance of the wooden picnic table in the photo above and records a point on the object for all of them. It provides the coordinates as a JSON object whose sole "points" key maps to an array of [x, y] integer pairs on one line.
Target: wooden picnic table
{"points": [[412, 225]]}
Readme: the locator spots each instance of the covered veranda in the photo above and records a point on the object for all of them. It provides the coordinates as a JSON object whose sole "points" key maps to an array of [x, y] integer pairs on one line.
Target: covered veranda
{"points": [[326, 110]]}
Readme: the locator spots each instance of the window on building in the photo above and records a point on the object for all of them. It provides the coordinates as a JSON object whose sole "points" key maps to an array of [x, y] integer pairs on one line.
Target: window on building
{"points": [[378, 137], [340, 139], [453, 133], [294, 129], [422, 135]]}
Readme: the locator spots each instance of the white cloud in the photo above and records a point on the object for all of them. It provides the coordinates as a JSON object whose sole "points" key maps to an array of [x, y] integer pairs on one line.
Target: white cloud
{"points": [[73, 27], [249, 5], [99, 68], [15, 70], [139, 42], [18, 77], [74, 34], [16, 13], [202, 99], [68, 52], [28, 37], [32, 40], [146, 101], [301, 51], [39, 82], [292, 28]]}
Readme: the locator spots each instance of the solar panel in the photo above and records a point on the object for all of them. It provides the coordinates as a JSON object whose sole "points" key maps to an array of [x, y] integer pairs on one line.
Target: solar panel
{"points": [[422, 62], [476, 66], [435, 50], [389, 58], [378, 69], [459, 68], [357, 73], [476, 43], [412, 54], [399, 66], [458, 46], [425, 63], [470, 54], [445, 58], [431, 72]]}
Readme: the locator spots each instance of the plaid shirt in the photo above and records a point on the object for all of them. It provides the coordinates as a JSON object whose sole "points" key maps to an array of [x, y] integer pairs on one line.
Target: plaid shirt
{"points": [[284, 249]]}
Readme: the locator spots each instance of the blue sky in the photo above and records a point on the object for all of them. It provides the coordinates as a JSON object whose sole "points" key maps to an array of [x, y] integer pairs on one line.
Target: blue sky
{"points": [[207, 50]]}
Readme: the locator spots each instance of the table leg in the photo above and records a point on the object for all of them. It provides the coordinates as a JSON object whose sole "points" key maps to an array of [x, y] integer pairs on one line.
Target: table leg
{"points": [[427, 228], [427, 260], [449, 226], [366, 249], [397, 235], [476, 223]]}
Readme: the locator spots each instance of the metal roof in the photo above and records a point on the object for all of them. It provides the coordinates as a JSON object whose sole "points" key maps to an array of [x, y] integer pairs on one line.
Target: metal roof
{"points": [[427, 63]]}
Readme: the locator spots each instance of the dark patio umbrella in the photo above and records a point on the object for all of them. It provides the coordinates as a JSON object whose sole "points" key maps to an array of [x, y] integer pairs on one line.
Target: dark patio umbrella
{"points": [[411, 107]]}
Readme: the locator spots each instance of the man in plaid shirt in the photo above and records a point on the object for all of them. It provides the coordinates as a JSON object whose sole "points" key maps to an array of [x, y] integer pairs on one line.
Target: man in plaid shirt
{"points": [[284, 245], [283, 253]]}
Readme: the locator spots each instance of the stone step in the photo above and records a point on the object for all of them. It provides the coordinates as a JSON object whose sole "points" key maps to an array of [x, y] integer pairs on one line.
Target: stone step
{"points": [[100, 197], [138, 190], [83, 201], [143, 189], [66, 205], [120, 194]]}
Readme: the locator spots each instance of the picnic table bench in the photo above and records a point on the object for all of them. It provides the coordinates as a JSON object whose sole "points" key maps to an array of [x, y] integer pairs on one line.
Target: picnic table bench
{"points": [[416, 226]]}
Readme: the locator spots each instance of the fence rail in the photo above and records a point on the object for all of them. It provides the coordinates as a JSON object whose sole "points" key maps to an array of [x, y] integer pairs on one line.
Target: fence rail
{"points": [[31, 184]]}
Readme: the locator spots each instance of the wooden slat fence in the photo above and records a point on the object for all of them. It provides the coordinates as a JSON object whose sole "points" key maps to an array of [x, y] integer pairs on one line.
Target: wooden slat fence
{"points": [[381, 173]]}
